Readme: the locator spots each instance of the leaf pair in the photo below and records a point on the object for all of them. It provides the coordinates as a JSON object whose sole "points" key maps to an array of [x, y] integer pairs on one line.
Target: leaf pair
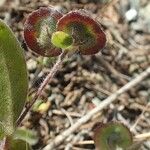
{"points": [[48, 31]]}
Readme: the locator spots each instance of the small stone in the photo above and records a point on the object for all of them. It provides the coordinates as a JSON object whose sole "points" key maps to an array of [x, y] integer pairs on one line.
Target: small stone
{"points": [[31, 64]]}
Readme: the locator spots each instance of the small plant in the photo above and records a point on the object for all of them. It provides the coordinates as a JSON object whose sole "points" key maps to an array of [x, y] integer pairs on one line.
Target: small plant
{"points": [[49, 33], [112, 136]]}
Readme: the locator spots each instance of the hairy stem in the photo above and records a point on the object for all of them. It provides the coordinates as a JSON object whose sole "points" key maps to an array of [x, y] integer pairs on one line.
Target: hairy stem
{"points": [[42, 86]]}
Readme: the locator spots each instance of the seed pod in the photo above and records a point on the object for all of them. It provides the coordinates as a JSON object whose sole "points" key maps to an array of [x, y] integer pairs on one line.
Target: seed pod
{"points": [[86, 32], [38, 29]]}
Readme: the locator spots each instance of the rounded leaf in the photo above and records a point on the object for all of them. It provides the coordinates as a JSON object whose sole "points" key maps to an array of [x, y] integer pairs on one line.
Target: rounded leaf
{"points": [[39, 26], [112, 135], [86, 32]]}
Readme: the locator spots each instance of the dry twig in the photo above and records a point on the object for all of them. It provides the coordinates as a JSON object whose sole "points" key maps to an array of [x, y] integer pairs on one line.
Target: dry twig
{"points": [[139, 118]]}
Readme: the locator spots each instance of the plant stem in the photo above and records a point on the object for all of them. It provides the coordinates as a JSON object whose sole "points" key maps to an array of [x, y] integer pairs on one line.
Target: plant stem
{"points": [[5, 143], [42, 86]]}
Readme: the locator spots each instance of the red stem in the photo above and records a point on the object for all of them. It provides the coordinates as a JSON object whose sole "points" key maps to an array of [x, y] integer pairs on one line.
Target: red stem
{"points": [[42, 86]]}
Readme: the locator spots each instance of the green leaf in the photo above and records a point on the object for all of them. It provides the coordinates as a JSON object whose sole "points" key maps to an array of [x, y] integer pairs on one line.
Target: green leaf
{"points": [[19, 145], [112, 135], [2, 133], [13, 79], [9, 143], [61, 40], [29, 136]]}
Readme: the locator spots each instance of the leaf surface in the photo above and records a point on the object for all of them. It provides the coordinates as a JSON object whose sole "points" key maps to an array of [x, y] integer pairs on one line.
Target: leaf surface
{"points": [[20, 145], [27, 135], [13, 80]]}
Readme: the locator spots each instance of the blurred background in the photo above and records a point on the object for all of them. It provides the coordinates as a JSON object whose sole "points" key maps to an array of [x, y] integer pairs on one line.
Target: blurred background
{"points": [[87, 80]]}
